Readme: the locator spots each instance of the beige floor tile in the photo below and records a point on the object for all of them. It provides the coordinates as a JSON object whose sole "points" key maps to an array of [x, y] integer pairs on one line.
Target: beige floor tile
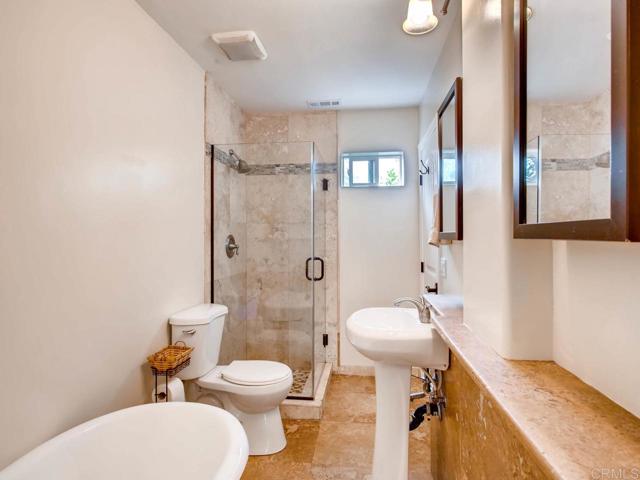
{"points": [[420, 449], [345, 444], [302, 436], [352, 383], [277, 471], [350, 407], [339, 473], [340, 446], [420, 475]]}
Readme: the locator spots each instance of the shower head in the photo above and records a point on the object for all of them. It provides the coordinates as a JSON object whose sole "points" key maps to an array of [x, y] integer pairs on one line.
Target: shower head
{"points": [[239, 165]]}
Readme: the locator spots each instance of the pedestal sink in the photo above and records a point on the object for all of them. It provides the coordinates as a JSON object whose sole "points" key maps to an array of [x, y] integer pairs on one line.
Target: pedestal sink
{"points": [[395, 340]]}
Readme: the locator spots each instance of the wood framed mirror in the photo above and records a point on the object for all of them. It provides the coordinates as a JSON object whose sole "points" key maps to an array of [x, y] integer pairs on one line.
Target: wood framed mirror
{"points": [[450, 163], [577, 120]]}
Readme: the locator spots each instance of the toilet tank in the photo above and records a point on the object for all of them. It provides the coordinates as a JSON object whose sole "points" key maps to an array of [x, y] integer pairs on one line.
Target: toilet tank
{"points": [[199, 327]]}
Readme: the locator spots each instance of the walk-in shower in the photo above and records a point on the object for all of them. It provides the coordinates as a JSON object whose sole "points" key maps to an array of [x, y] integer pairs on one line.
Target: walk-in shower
{"points": [[269, 211]]}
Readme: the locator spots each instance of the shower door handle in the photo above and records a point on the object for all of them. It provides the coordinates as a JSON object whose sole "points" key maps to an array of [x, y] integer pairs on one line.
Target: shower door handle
{"points": [[306, 269], [321, 269]]}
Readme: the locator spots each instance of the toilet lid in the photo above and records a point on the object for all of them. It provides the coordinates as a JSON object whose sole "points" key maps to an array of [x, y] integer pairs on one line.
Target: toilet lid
{"points": [[255, 372]]}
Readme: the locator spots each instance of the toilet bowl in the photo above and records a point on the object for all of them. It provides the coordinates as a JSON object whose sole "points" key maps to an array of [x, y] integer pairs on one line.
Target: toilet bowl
{"points": [[251, 390]]}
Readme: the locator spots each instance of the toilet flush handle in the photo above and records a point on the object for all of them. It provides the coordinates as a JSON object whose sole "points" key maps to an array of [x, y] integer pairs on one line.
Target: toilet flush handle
{"points": [[190, 332]]}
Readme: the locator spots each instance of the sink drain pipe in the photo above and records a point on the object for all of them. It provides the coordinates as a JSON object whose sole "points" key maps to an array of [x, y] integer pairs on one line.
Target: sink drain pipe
{"points": [[431, 390]]}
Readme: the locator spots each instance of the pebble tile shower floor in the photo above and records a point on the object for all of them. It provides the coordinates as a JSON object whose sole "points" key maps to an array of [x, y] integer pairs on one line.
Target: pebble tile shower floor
{"points": [[301, 383], [340, 446]]}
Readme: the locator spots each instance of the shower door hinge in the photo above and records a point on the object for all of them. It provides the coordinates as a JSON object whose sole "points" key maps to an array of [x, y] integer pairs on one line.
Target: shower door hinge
{"points": [[421, 267], [325, 339], [325, 184], [420, 180]]}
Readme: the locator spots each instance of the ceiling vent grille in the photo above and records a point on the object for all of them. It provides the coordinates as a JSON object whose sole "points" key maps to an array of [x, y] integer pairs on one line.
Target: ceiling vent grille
{"points": [[323, 104]]}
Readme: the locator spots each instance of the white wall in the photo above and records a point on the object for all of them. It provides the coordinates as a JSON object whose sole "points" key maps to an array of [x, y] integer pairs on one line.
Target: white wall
{"points": [[593, 328], [507, 283], [447, 69], [597, 316], [101, 208], [378, 228]]}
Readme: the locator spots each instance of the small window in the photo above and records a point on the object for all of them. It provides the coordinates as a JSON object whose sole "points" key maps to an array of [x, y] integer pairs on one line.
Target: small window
{"points": [[449, 165], [372, 169]]}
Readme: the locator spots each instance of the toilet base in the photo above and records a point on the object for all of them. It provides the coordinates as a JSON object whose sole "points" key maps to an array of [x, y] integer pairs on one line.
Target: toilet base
{"points": [[255, 406], [264, 431]]}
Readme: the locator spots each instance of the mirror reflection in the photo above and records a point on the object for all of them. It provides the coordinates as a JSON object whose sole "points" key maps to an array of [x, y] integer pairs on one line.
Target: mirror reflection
{"points": [[568, 160], [448, 164]]}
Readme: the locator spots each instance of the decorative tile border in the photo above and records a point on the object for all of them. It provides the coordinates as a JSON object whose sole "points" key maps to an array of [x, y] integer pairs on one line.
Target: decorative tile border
{"points": [[274, 168], [562, 164], [291, 169]]}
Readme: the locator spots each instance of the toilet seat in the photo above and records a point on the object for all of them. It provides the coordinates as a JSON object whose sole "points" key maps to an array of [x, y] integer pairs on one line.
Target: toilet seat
{"points": [[255, 372], [271, 378]]}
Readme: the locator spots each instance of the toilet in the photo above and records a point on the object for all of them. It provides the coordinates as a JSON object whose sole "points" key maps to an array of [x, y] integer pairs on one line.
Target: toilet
{"points": [[252, 390]]}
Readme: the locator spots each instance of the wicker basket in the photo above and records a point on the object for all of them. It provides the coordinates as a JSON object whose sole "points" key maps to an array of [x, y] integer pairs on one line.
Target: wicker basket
{"points": [[170, 357]]}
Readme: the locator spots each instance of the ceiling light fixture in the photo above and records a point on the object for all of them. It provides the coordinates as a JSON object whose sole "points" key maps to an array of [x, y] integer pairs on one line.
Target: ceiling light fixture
{"points": [[420, 18]]}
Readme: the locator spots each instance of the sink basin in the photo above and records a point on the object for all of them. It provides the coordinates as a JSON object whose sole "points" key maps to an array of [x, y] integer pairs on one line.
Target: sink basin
{"points": [[396, 336], [148, 442], [396, 340]]}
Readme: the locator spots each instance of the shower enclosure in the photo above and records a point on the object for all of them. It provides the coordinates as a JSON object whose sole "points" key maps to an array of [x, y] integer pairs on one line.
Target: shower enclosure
{"points": [[268, 249]]}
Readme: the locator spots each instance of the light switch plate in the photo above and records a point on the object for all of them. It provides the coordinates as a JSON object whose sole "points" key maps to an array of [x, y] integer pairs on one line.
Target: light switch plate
{"points": [[443, 267]]}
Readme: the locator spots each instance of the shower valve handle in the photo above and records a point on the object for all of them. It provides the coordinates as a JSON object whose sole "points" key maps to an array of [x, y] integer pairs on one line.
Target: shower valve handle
{"points": [[231, 247]]}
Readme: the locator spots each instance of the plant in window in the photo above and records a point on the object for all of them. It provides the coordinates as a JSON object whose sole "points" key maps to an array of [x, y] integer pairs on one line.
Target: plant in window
{"points": [[392, 178]]}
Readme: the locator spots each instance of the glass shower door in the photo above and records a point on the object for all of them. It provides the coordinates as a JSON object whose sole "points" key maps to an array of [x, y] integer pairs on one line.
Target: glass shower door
{"points": [[269, 197], [319, 186]]}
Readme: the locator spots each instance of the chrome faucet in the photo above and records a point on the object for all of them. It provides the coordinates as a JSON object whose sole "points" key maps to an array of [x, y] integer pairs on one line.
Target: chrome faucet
{"points": [[420, 304]]}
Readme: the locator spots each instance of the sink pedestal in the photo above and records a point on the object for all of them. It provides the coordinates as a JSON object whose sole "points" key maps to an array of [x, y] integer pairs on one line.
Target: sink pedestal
{"points": [[395, 339], [391, 453]]}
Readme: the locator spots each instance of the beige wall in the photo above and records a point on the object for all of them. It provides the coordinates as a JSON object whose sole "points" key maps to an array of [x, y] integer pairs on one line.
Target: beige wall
{"points": [[447, 69], [101, 207], [379, 251]]}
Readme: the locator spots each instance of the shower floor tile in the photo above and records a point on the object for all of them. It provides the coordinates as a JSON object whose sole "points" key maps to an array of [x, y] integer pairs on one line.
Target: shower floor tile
{"points": [[302, 384]]}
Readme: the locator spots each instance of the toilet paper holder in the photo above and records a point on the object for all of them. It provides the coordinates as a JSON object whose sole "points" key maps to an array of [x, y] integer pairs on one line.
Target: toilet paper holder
{"points": [[163, 396]]}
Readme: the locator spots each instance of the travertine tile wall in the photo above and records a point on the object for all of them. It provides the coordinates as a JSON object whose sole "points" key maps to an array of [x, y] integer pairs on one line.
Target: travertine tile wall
{"points": [[278, 241], [575, 145], [279, 220], [269, 213], [223, 126], [475, 439]]}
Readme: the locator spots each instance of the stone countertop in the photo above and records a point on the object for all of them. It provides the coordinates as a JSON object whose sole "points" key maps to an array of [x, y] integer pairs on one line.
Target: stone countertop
{"points": [[574, 430]]}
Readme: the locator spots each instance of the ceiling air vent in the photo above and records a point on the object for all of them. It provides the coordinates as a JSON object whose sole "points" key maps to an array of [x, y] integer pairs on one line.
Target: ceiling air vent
{"points": [[240, 45], [324, 104]]}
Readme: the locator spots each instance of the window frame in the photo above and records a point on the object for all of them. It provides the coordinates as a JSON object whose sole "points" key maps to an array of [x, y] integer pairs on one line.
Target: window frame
{"points": [[373, 157]]}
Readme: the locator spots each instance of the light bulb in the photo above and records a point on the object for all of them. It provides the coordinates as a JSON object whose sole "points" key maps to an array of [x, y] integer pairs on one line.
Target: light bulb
{"points": [[420, 18]]}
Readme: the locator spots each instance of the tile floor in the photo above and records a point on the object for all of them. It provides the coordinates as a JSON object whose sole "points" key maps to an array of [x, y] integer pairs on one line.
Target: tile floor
{"points": [[340, 446]]}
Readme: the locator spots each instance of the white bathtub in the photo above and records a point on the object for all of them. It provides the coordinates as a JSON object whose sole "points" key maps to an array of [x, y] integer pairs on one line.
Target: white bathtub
{"points": [[179, 440]]}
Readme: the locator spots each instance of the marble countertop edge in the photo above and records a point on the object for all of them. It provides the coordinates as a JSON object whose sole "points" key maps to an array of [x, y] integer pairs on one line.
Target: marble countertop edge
{"points": [[575, 425]]}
